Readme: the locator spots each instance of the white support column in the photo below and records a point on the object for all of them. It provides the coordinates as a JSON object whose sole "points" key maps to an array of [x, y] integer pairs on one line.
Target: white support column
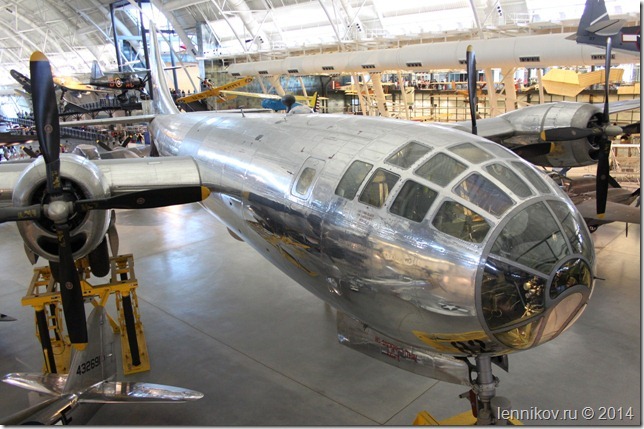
{"points": [[358, 89], [403, 94], [303, 86], [275, 81], [540, 83], [492, 98], [376, 79], [510, 91]]}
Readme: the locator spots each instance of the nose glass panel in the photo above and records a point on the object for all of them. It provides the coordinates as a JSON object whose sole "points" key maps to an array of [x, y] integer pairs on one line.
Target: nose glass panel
{"points": [[538, 275], [510, 295], [532, 238]]}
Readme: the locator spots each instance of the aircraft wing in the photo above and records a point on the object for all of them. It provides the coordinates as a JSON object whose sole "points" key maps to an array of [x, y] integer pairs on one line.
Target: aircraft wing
{"points": [[109, 121], [621, 106], [9, 139], [615, 212], [73, 85], [252, 94], [213, 92]]}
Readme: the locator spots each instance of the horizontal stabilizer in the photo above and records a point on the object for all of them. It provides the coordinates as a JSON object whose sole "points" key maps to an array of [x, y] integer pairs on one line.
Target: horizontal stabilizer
{"points": [[116, 392], [5, 318], [49, 384], [608, 27]]}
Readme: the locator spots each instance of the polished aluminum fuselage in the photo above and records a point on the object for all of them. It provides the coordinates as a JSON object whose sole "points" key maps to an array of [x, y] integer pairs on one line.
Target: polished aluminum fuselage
{"points": [[402, 278]]}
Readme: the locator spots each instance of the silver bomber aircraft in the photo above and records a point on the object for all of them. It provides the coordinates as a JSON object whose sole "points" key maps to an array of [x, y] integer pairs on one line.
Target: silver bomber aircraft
{"points": [[435, 246]]}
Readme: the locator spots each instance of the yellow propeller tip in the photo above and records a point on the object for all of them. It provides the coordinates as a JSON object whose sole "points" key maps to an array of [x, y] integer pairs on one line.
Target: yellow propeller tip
{"points": [[38, 56], [601, 215], [79, 346], [205, 193]]}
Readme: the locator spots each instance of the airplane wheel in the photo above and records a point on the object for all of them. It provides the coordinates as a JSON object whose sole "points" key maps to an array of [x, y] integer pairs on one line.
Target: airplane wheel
{"points": [[592, 228]]}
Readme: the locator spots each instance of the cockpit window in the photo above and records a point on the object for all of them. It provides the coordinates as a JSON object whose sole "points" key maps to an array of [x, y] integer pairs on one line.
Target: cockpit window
{"points": [[304, 182], [472, 153], [352, 179], [532, 238], [409, 154], [578, 236], [532, 177], [460, 222], [495, 149], [377, 190], [511, 181], [413, 201], [441, 169], [483, 193]]}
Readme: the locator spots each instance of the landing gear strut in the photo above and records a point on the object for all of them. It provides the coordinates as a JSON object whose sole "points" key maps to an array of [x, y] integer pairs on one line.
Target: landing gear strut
{"points": [[487, 408]]}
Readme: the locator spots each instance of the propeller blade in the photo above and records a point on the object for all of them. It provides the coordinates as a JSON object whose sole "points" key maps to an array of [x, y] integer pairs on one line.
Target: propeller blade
{"points": [[8, 214], [631, 128], [46, 118], [71, 293], [603, 172], [147, 199], [609, 44], [471, 86], [603, 162], [567, 133], [531, 150], [112, 235]]}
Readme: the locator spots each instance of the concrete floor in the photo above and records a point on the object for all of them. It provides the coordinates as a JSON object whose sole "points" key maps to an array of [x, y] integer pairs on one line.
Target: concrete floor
{"points": [[220, 319]]}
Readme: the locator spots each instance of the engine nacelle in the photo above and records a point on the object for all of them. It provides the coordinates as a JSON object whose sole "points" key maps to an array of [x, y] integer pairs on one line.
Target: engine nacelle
{"points": [[81, 180], [530, 121]]}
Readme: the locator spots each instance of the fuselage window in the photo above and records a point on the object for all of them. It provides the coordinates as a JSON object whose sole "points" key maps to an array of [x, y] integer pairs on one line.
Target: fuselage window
{"points": [[460, 222], [483, 193], [375, 193], [511, 181], [409, 154], [441, 169], [472, 153], [413, 201], [305, 180], [352, 179], [532, 176]]}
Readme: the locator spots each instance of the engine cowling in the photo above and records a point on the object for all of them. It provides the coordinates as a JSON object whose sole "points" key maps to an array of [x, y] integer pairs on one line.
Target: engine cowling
{"points": [[529, 122], [81, 180]]}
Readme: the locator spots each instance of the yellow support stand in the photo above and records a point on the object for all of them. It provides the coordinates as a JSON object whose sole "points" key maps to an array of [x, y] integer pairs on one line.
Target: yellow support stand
{"points": [[464, 419], [46, 300]]}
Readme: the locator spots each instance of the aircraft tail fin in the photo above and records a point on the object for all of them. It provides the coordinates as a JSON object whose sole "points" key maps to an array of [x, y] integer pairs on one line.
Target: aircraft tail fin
{"points": [[595, 22], [162, 102], [97, 362], [97, 73]]}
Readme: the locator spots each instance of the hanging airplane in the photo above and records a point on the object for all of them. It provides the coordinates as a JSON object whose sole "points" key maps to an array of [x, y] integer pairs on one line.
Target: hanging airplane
{"points": [[278, 103], [216, 91], [65, 83], [595, 27], [435, 245], [118, 81], [89, 384]]}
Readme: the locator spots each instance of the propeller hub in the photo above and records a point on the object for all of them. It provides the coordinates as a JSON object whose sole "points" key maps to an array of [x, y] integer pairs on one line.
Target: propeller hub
{"points": [[613, 130], [58, 211]]}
